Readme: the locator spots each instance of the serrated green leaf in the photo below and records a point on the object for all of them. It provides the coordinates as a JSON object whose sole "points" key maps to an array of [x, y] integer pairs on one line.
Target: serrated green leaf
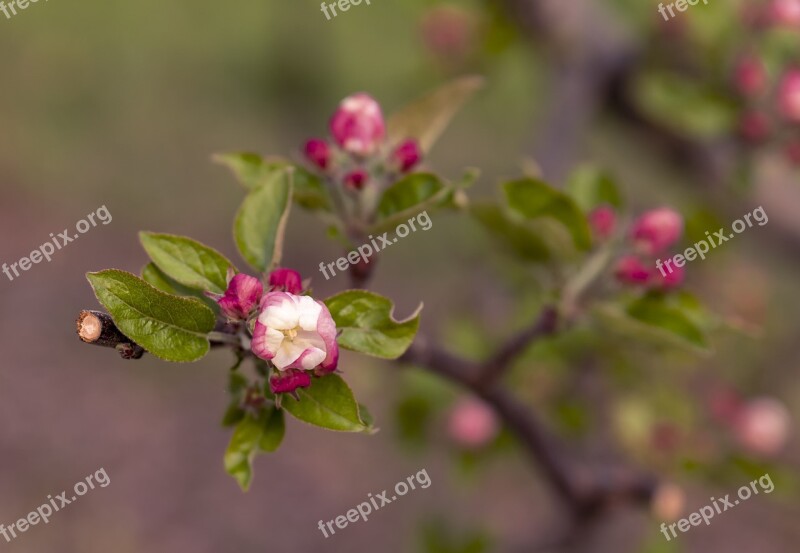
{"points": [[426, 118], [261, 222], [533, 199], [327, 403], [511, 234], [153, 276], [169, 327], [367, 326], [264, 433], [654, 311], [187, 261], [590, 187]]}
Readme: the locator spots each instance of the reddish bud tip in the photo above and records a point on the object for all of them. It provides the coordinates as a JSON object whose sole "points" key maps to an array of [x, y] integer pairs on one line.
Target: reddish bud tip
{"points": [[603, 221], [750, 76], [242, 296], [318, 152], [657, 229], [406, 156], [358, 126], [288, 381], [356, 180], [670, 279], [286, 280], [630, 270]]}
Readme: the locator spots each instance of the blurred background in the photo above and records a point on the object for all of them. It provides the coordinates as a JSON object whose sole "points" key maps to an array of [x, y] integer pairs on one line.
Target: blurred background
{"points": [[122, 104]]}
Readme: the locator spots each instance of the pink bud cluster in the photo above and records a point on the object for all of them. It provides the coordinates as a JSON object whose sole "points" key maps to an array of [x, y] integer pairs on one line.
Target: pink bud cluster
{"points": [[358, 152], [651, 234], [293, 332]]}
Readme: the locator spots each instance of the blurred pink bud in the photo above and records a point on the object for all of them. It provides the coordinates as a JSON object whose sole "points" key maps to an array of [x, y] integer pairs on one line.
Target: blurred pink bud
{"points": [[357, 126], [356, 180], [762, 426], [657, 229], [288, 381], [668, 503], [449, 32], [750, 76], [286, 280], [789, 95], [724, 404], [792, 152], [472, 423], [318, 152], [630, 270], [406, 156], [242, 296], [603, 221], [785, 12], [754, 126], [670, 279]]}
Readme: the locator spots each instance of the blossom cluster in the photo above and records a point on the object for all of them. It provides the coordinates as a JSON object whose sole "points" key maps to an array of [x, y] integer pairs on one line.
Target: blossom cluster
{"points": [[293, 331], [359, 156]]}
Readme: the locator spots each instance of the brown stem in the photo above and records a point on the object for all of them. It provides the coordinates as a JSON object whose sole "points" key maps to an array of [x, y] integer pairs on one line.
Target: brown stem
{"points": [[96, 327]]}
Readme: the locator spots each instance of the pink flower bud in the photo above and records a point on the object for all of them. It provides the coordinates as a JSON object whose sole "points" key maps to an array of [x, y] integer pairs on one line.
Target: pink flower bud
{"points": [[630, 270], [356, 179], [472, 423], [603, 221], [724, 404], [657, 229], [286, 280], [762, 426], [318, 152], [449, 32], [785, 12], [789, 95], [242, 296], [754, 126], [357, 126], [670, 279], [750, 76], [288, 381], [406, 156]]}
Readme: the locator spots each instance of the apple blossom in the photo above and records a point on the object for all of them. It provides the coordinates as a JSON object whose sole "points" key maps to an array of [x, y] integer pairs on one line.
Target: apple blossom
{"points": [[670, 279], [289, 381], [358, 126], [785, 12], [356, 179], [296, 332], [657, 229]]}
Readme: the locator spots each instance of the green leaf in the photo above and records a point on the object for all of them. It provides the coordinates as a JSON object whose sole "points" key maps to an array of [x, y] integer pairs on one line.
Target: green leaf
{"points": [[411, 195], [590, 187], [367, 326], [261, 222], [187, 261], [153, 276], [533, 198], [251, 435], [427, 118], [686, 106], [169, 327], [652, 310], [511, 234], [253, 172], [327, 403]]}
